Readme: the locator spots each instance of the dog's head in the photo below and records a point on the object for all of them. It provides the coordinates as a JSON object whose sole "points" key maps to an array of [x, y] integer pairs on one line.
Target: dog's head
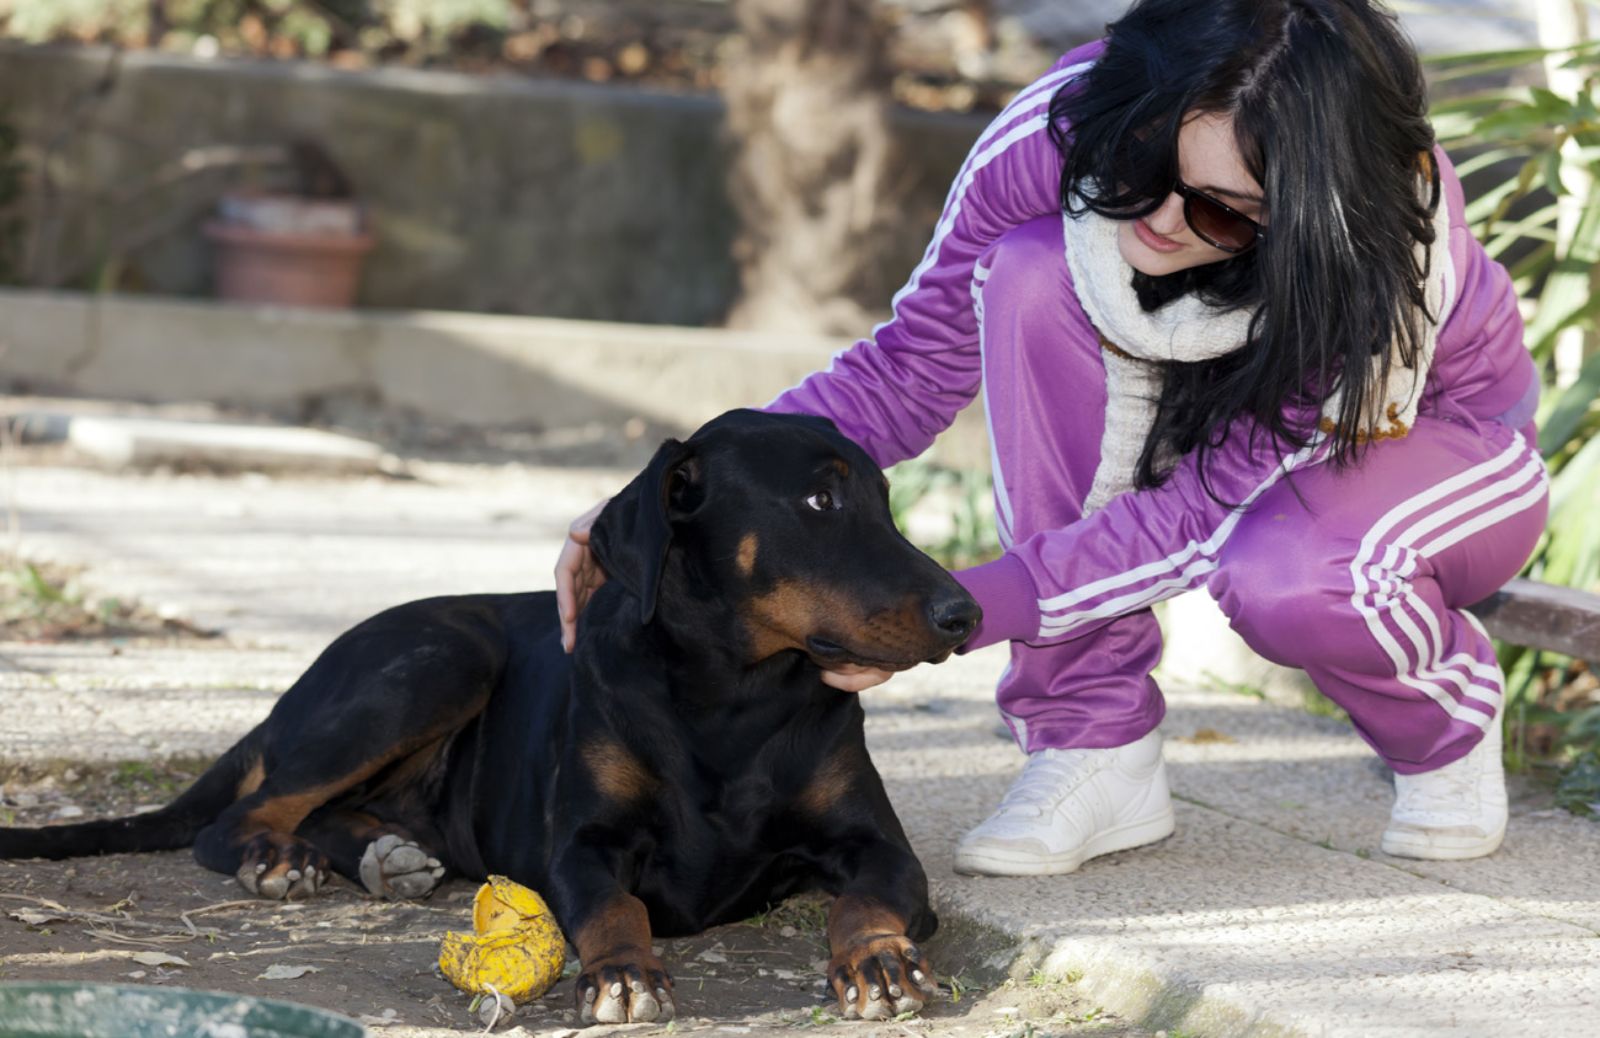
{"points": [[786, 522]]}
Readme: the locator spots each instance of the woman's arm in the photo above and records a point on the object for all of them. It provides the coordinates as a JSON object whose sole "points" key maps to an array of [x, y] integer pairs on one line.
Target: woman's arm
{"points": [[1142, 547]]}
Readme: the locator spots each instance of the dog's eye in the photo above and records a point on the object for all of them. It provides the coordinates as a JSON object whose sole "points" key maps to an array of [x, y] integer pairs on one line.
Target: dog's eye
{"points": [[821, 501]]}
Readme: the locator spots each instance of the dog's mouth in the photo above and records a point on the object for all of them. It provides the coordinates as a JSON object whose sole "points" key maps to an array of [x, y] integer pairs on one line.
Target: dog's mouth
{"points": [[830, 655]]}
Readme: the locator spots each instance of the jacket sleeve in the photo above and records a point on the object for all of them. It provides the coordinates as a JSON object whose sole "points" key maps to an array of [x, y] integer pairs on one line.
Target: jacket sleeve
{"points": [[1142, 547], [896, 390]]}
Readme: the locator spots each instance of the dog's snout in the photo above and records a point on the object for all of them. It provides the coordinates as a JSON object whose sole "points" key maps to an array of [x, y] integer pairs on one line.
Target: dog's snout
{"points": [[954, 613]]}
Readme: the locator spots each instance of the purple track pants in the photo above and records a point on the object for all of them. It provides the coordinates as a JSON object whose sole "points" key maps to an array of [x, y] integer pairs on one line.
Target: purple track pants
{"points": [[1357, 575]]}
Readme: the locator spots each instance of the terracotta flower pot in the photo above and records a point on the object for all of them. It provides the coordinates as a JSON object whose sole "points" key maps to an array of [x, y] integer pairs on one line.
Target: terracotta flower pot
{"points": [[287, 250]]}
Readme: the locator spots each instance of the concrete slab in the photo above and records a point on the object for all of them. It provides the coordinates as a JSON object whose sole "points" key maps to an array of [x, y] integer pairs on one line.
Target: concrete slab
{"points": [[121, 441], [476, 370]]}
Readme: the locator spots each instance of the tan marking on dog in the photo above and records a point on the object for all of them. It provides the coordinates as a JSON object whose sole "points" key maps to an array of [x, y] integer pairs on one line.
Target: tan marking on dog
{"points": [[785, 616], [747, 553], [841, 466], [620, 925], [830, 783], [854, 918], [252, 779], [619, 775], [283, 814]]}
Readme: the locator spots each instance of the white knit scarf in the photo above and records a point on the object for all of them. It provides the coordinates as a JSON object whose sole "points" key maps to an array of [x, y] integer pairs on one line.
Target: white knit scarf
{"points": [[1189, 330]]}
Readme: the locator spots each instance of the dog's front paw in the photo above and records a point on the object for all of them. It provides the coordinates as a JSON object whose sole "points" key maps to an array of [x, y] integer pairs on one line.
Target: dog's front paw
{"points": [[629, 988], [879, 978]]}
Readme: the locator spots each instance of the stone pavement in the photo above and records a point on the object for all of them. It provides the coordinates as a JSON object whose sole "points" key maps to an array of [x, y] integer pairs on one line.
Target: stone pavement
{"points": [[1270, 912]]}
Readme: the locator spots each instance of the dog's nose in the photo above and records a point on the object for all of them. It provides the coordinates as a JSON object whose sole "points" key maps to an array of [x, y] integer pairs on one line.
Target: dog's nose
{"points": [[955, 614]]}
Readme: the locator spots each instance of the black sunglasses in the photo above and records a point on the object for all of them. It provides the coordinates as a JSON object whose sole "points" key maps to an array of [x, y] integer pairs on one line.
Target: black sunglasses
{"points": [[1217, 225]]}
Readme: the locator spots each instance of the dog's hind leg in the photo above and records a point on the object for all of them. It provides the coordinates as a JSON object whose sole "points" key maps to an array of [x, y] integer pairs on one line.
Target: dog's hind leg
{"points": [[384, 857], [365, 720], [255, 838]]}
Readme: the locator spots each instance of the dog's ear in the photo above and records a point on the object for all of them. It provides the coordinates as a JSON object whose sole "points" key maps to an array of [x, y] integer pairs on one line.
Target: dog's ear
{"points": [[632, 533]]}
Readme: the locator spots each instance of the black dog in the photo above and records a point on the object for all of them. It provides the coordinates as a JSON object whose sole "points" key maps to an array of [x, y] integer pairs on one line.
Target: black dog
{"points": [[685, 767]]}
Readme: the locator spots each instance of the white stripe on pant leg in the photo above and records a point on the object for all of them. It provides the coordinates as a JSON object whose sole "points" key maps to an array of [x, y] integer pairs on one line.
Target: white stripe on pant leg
{"points": [[1492, 692], [1429, 651], [1397, 582], [1519, 504], [1370, 542], [1369, 545]]}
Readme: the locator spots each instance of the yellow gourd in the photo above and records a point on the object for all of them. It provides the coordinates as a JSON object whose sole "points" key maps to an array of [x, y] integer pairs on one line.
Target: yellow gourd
{"points": [[516, 947]]}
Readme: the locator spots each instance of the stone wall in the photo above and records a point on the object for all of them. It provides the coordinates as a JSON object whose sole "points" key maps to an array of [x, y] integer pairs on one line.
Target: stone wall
{"points": [[488, 193]]}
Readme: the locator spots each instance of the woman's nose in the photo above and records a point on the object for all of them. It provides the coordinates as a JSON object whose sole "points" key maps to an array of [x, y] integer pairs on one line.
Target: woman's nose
{"points": [[1168, 220]]}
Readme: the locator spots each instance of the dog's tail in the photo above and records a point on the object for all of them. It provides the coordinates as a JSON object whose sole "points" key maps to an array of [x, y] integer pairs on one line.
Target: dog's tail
{"points": [[169, 828]]}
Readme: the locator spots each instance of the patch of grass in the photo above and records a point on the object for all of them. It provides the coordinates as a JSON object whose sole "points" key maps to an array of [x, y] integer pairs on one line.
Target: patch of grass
{"points": [[42, 602], [113, 787], [818, 1017], [1219, 683], [147, 777], [807, 913], [1319, 705]]}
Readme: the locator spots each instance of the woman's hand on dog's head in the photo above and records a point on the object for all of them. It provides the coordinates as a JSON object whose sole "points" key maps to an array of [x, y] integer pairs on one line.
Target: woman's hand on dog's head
{"points": [[578, 575]]}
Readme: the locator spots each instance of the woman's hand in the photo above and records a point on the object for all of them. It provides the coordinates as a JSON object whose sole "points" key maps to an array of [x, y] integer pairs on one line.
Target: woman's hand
{"points": [[854, 678], [578, 575]]}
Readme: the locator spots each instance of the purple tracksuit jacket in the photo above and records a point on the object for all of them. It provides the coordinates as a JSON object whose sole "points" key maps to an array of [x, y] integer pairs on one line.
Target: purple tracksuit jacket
{"points": [[1358, 578]]}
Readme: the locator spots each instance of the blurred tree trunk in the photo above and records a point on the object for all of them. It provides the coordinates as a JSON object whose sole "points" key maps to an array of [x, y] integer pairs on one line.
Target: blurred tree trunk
{"points": [[808, 107], [156, 23]]}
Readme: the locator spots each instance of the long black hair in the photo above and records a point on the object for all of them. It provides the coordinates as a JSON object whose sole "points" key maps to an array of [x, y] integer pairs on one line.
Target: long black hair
{"points": [[1329, 113]]}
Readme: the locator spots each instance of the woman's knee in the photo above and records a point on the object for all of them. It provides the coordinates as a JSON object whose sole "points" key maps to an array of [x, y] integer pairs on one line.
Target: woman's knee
{"points": [[1285, 589]]}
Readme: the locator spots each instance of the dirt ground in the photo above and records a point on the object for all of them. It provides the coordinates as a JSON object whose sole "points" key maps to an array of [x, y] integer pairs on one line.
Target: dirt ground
{"points": [[133, 919]]}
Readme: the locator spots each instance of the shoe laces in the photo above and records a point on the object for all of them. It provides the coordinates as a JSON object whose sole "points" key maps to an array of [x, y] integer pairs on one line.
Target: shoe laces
{"points": [[1048, 778]]}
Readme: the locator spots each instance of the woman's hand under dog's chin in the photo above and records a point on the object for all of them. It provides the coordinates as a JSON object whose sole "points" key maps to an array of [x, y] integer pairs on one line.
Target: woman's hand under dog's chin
{"points": [[852, 677]]}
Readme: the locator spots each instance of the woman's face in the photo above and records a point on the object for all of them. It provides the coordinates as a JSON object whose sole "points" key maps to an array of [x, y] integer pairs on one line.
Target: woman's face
{"points": [[1208, 162]]}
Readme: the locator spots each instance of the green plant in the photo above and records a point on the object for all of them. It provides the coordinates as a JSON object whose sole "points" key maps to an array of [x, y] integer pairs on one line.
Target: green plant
{"points": [[1542, 217], [961, 498]]}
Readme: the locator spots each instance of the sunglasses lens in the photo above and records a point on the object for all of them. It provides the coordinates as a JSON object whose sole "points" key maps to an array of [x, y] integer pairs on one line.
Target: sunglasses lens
{"points": [[1216, 225]]}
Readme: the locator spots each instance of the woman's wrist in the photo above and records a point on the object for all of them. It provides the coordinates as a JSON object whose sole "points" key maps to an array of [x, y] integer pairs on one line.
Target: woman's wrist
{"points": [[1010, 602]]}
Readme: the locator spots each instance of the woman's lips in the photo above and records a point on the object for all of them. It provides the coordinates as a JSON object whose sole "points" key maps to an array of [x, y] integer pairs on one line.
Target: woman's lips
{"points": [[1153, 240]]}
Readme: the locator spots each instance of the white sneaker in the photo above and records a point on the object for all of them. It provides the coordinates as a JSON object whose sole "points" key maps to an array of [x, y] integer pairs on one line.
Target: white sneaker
{"points": [[1457, 811], [1068, 806]]}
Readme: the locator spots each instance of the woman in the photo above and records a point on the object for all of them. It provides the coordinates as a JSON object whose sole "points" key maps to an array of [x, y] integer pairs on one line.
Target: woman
{"points": [[1213, 278]]}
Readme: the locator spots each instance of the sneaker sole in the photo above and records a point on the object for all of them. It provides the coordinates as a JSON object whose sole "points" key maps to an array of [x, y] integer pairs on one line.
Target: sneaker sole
{"points": [[996, 862], [1439, 847]]}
